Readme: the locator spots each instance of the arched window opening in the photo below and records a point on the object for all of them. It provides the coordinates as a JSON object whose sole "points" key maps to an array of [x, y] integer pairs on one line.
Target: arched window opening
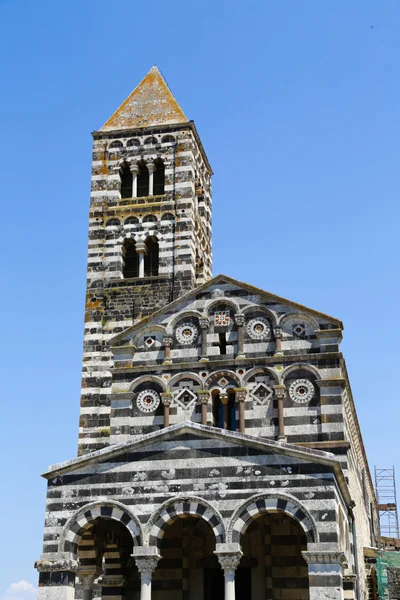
{"points": [[150, 141], [159, 178], [126, 181], [150, 219], [151, 258], [131, 221], [116, 144], [133, 142], [143, 180], [224, 409], [113, 223], [131, 260], [167, 217], [168, 139]]}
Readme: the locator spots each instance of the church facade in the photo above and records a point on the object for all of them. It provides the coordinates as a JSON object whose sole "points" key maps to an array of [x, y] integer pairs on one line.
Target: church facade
{"points": [[219, 451]]}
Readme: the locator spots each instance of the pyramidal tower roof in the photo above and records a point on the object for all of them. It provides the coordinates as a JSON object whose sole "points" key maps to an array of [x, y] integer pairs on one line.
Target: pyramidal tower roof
{"points": [[150, 103]]}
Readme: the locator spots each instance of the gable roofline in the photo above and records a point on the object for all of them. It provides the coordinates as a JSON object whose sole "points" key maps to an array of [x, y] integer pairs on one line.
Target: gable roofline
{"points": [[300, 452], [223, 279]]}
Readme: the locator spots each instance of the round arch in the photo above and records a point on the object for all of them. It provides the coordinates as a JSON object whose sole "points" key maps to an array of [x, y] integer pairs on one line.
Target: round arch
{"points": [[187, 375], [145, 379], [179, 508], [219, 374], [148, 328], [180, 317], [301, 316], [263, 310], [108, 509], [260, 370], [223, 300], [303, 367], [260, 504]]}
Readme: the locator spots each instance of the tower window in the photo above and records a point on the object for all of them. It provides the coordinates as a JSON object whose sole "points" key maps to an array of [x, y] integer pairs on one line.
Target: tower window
{"points": [[159, 178], [131, 260], [143, 180], [126, 182], [224, 410], [151, 258]]}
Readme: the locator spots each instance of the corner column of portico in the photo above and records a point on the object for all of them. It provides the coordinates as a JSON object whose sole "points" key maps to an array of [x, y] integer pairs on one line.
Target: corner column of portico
{"points": [[56, 578], [146, 559], [87, 576], [229, 556], [151, 167], [325, 572]]}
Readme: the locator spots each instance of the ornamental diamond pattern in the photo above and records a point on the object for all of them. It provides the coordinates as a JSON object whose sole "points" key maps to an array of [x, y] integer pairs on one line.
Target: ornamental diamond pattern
{"points": [[261, 393], [185, 397]]}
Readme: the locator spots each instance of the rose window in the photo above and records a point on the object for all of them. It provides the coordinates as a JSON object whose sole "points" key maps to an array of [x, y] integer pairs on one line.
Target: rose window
{"points": [[148, 401], [301, 391], [258, 328], [186, 333]]}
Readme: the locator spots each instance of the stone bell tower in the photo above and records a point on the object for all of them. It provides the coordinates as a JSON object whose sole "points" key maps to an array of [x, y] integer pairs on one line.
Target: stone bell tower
{"points": [[149, 231]]}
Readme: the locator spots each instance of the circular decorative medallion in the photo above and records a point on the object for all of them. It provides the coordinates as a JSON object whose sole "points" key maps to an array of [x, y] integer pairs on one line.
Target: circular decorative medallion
{"points": [[258, 328], [186, 333], [301, 391], [147, 401]]}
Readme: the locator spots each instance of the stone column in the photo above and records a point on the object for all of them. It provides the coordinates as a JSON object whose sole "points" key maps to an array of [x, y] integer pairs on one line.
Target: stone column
{"points": [[325, 573], [56, 579], [204, 398], [167, 340], [229, 556], [241, 394], [204, 324], [146, 559], [141, 249], [166, 400], [278, 334], [151, 167], [280, 393], [224, 398], [134, 171], [239, 319]]}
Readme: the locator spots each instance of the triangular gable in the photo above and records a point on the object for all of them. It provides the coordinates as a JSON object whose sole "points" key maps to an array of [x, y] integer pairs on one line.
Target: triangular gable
{"points": [[220, 279], [197, 431], [150, 103]]}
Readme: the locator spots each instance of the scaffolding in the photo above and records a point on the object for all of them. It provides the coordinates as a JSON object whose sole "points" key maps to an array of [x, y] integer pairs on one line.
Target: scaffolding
{"points": [[385, 489]]}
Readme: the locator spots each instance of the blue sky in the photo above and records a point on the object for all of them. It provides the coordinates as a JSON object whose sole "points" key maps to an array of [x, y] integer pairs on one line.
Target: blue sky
{"points": [[297, 104]]}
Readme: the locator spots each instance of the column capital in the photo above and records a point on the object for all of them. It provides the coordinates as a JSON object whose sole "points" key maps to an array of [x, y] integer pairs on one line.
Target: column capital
{"points": [[325, 557], [141, 247], [241, 394], [204, 322], [59, 564], [151, 166], [167, 340], [278, 332], [87, 575], [223, 396], [280, 391], [147, 564], [203, 396], [134, 169], [166, 398], [229, 556], [239, 320]]}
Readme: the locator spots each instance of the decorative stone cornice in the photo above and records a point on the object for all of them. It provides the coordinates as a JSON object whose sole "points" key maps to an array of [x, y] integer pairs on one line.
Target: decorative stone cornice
{"points": [[60, 564], [112, 581], [325, 557]]}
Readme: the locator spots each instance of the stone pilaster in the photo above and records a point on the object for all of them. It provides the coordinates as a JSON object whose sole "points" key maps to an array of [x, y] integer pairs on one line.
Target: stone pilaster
{"points": [[167, 340], [280, 394], [325, 573], [166, 400], [240, 320], [204, 399], [278, 335], [56, 579], [204, 324]]}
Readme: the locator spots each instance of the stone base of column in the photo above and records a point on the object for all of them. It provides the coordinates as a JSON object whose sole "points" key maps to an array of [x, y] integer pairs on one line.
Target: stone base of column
{"points": [[167, 362], [240, 357], [204, 359]]}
